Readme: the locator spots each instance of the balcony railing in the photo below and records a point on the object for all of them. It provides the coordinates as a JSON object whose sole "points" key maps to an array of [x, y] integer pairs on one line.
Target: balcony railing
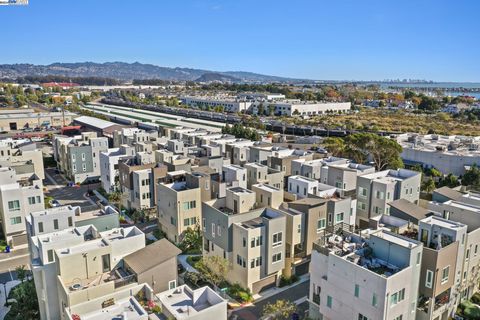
{"points": [[118, 283]]}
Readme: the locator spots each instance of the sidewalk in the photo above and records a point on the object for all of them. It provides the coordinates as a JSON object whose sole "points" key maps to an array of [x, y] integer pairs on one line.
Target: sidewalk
{"points": [[9, 285], [15, 253], [273, 291], [182, 258]]}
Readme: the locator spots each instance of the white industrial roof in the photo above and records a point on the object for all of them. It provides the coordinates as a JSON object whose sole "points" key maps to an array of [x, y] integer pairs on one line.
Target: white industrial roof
{"points": [[95, 122]]}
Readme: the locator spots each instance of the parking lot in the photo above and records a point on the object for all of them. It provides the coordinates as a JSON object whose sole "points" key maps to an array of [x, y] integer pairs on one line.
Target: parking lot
{"points": [[76, 196]]}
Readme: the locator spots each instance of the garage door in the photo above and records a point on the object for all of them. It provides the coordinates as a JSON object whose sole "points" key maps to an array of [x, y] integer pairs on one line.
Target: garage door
{"points": [[19, 240], [264, 284], [302, 268]]}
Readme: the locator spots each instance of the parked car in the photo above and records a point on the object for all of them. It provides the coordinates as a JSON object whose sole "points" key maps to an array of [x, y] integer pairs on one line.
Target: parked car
{"points": [[54, 203]]}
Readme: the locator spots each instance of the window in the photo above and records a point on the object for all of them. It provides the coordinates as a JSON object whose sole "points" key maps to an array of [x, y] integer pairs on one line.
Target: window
{"points": [[193, 221], [258, 261], [362, 317], [277, 239], [204, 223], [252, 263], [14, 205], [70, 221], [106, 262], [83, 156], [419, 255], [445, 272], [84, 167], [398, 318], [213, 230], [362, 192], [55, 224], [31, 200], [252, 243], [172, 221], [397, 297], [40, 227], [329, 302], [379, 195], [15, 220], [467, 255], [172, 284], [357, 290], [74, 168], [374, 300], [429, 279], [73, 158], [277, 257], [50, 255], [321, 223], [39, 199], [219, 231], [339, 217], [186, 222]]}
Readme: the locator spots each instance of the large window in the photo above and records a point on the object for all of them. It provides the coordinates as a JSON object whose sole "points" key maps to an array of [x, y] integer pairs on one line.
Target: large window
{"points": [[277, 257], [397, 297], [50, 255], [357, 291], [106, 262], [15, 220], [321, 223], [339, 217], [429, 279], [445, 273], [277, 239], [329, 302], [14, 205]]}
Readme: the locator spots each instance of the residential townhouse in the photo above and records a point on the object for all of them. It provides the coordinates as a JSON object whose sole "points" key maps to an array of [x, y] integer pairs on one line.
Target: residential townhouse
{"points": [[19, 195], [18, 153], [179, 206], [79, 157], [234, 175], [374, 275], [282, 158], [138, 182], [131, 136], [261, 173], [109, 165], [376, 190], [251, 239], [303, 187]]}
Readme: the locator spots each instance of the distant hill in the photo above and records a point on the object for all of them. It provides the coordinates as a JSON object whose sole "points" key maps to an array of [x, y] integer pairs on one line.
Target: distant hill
{"points": [[130, 71], [214, 76]]}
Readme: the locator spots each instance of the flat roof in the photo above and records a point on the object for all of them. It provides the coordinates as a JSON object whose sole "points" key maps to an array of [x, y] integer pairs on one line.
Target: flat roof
{"points": [[94, 122]]}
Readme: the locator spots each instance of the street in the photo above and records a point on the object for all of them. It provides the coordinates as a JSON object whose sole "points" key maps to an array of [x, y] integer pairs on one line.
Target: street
{"points": [[74, 196], [293, 294]]}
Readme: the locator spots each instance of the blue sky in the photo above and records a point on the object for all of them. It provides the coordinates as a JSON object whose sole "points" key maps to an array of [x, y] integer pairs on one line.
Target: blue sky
{"points": [[317, 39]]}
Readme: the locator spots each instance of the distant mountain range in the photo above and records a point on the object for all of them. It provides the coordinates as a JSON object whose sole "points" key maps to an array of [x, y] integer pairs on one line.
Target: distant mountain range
{"points": [[129, 71]]}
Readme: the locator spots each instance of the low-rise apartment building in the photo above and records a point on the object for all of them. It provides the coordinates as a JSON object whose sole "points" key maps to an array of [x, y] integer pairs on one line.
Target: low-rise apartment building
{"points": [[179, 206], [374, 275], [79, 157], [109, 165], [261, 173], [376, 190], [18, 153], [19, 195], [253, 240]]}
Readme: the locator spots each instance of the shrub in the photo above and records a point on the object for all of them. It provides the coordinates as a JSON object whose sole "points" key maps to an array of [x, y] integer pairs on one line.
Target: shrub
{"points": [[192, 260], [476, 298], [472, 312], [284, 281], [239, 293]]}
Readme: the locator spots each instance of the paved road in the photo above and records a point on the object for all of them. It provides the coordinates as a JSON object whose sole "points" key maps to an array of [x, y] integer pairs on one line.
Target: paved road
{"points": [[293, 294], [75, 196]]}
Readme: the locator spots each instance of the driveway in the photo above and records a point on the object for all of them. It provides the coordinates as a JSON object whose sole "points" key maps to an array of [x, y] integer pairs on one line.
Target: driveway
{"points": [[74, 196], [296, 293]]}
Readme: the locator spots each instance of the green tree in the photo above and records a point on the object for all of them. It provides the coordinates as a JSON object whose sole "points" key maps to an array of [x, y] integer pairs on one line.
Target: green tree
{"points": [[336, 146], [191, 239], [281, 309], [21, 273], [428, 185], [24, 305], [214, 269], [449, 181], [271, 109], [261, 109], [472, 177], [384, 152]]}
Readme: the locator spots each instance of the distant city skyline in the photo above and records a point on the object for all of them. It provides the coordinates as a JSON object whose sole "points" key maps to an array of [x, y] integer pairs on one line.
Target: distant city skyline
{"points": [[342, 40]]}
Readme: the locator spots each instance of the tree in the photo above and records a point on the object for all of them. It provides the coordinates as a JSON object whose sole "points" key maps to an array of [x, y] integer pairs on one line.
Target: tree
{"points": [[336, 146], [261, 109], [428, 185], [191, 239], [449, 181], [214, 269], [384, 152], [25, 302], [21, 272], [271, 109], [472, 177], [281, 309]]}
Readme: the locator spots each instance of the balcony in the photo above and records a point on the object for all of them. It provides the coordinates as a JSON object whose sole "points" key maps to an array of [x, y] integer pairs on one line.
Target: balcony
{"points": [[316, 299]]}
